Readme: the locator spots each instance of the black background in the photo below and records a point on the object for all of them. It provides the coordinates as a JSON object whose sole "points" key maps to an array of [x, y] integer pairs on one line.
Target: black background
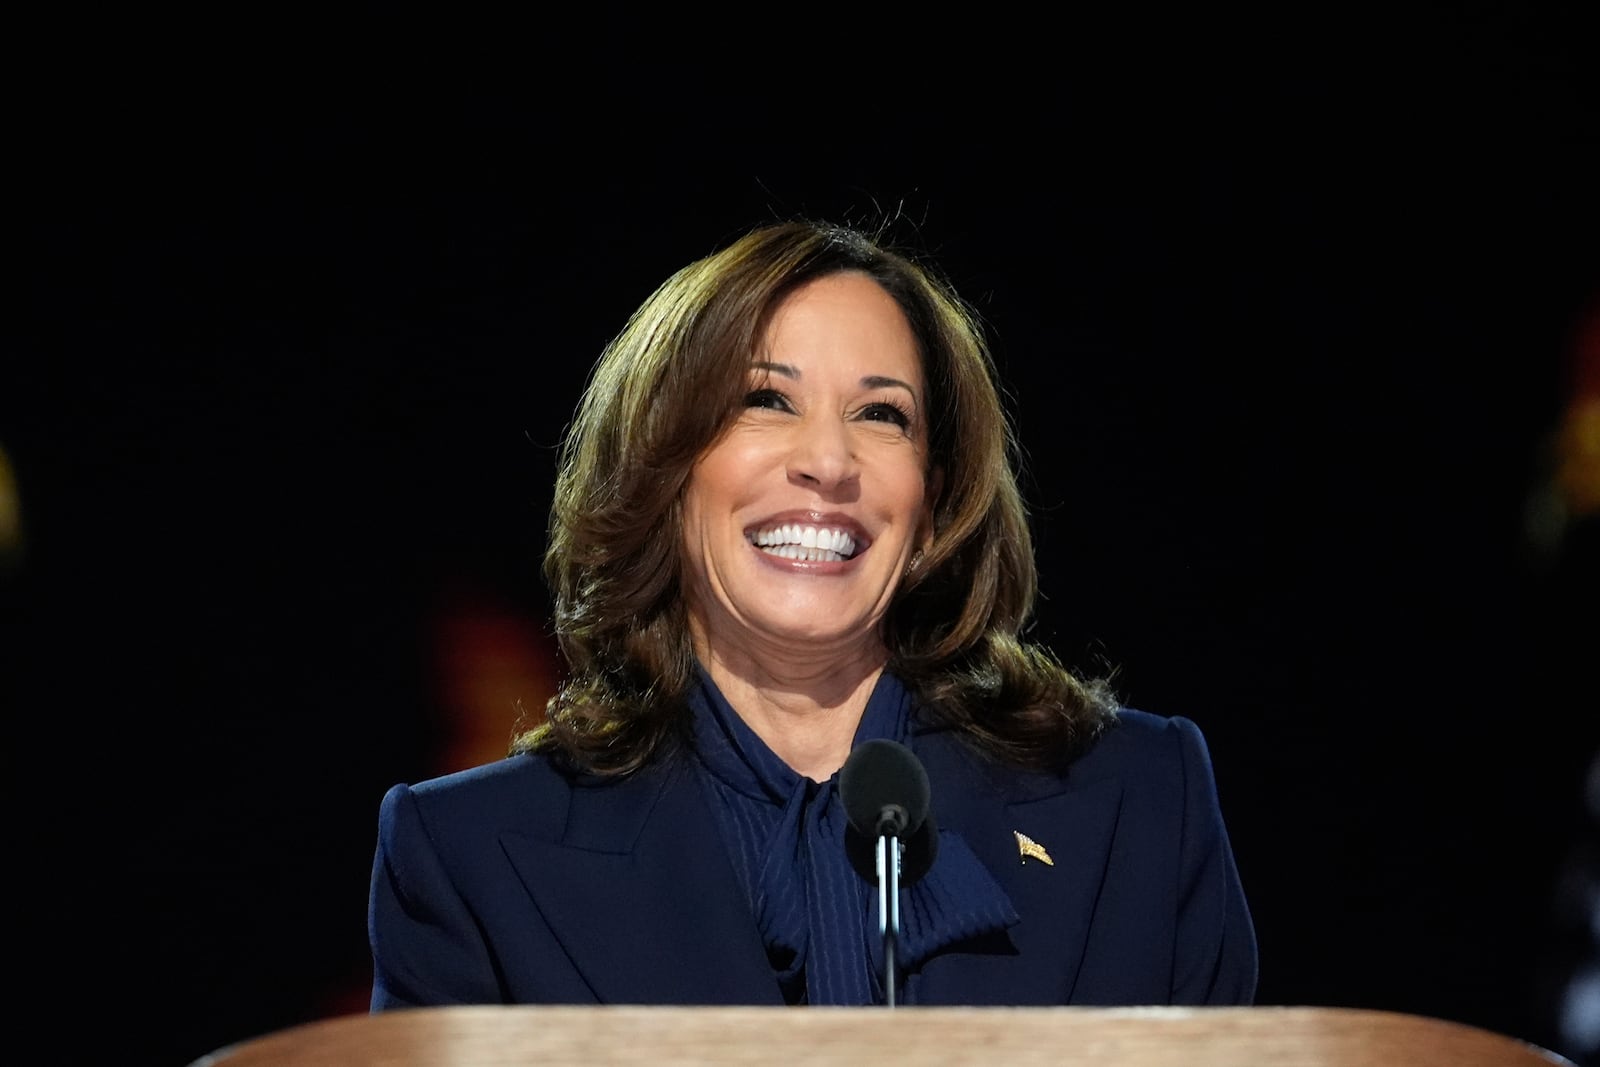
{"points": [[1286, 313]]}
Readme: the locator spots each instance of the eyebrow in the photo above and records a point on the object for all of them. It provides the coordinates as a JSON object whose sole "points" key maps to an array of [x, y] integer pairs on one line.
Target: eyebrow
{"points": [[871, 381]]}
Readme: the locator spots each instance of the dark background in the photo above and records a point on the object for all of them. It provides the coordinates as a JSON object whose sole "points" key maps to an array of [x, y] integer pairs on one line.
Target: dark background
{"points": [[1287, 314]]}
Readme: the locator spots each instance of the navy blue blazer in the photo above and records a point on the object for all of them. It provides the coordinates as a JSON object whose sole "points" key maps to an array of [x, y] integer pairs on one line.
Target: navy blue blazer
{"points": [[515, 883]]}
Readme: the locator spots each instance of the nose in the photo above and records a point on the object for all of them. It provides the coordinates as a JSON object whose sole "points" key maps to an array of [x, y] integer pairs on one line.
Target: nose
{"points": [[822, 455]]}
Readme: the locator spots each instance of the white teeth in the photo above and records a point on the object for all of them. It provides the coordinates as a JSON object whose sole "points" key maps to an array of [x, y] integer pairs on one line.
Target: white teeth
{"points": [[813, 555], [793, 541]]}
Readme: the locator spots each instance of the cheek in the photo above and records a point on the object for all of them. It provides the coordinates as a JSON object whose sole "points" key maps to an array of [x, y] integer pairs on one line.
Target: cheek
{"points": [[910, 487], [722, 473], [710, 500]]}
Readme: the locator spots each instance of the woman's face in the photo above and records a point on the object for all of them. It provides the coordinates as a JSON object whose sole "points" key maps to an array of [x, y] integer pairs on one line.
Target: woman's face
{"points": [[800, 520]]}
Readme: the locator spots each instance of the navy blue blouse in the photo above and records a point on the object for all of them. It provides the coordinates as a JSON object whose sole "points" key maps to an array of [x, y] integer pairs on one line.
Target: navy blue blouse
{"points": [[786, 837]]}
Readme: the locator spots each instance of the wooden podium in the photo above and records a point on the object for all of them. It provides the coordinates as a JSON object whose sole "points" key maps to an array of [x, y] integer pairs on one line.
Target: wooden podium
{"points": [[492, 1036]]}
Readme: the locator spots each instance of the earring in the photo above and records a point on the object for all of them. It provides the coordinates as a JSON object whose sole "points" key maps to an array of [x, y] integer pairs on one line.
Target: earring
{"points": [[915, 561]]}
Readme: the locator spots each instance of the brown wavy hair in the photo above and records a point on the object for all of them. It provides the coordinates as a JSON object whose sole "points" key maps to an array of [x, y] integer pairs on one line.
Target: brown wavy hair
{"points": [[662, 392]]}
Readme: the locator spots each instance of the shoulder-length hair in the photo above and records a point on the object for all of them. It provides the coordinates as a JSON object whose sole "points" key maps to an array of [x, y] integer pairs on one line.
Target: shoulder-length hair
{"points": [[659, 396]]}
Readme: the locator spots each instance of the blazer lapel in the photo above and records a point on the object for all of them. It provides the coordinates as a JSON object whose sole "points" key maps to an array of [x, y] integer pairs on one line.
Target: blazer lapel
{"points": [[640, 893], [1073, 822]]}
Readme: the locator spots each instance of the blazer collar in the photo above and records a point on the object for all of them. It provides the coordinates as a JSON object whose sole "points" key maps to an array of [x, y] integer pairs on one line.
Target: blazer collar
{"points": [[640, 893], [1073, 821]]}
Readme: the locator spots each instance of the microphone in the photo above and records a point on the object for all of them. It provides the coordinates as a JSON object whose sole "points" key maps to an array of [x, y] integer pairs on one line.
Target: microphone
{"points": [[883, 780], [886, 798], [884, 788]]}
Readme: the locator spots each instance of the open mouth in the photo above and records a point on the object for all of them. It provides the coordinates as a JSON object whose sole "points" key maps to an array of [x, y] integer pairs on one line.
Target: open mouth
{"points": [[814, 544]]}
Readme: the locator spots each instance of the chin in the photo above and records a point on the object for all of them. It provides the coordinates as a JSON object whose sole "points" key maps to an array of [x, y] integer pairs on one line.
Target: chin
{"points": [[820, 631]]}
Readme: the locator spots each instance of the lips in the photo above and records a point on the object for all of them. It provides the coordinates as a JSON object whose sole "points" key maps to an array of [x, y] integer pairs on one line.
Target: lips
{"points": [[811, 542]]}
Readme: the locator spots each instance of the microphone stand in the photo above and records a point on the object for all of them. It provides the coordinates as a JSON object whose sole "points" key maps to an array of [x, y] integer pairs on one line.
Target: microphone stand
{"points": [[882, 785], [890, 850]]}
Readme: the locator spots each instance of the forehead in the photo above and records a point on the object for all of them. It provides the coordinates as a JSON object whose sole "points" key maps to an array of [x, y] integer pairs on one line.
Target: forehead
{"points": [[845, 320]]}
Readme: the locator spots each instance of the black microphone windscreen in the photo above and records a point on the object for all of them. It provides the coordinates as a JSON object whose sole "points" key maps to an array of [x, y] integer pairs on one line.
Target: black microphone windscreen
{"points": [[882, 774]]}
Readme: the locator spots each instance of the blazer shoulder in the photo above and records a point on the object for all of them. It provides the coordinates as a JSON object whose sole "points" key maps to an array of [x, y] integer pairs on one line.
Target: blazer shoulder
{"points": [[1136, 738], [524, 791]]}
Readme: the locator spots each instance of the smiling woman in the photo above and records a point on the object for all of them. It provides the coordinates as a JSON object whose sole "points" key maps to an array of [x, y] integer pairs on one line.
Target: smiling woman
{"points": [[830, 452], [786, 529]]}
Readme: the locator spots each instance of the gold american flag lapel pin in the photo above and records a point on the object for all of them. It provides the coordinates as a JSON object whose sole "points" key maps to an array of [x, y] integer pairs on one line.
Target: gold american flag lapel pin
{"points": [[1027, 846]]}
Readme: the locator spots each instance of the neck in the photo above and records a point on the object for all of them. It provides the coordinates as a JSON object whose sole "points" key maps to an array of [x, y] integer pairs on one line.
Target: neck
{"points": [[807, 717]]}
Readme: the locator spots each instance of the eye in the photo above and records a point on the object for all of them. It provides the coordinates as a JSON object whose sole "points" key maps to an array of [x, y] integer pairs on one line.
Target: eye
{"points": [[767, 398], [886, 411]]}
